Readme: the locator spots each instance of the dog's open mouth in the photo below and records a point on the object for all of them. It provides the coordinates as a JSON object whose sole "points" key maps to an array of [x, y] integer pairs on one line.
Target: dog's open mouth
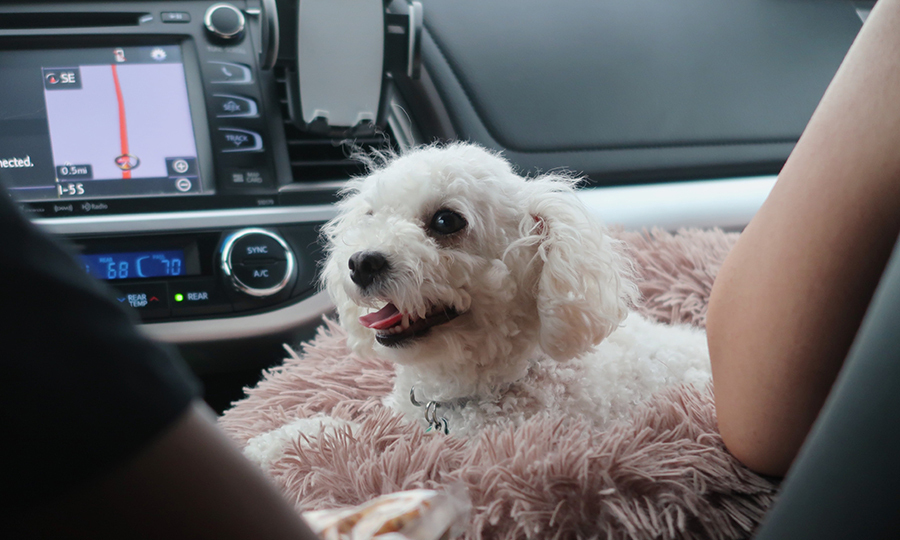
{"points": [[393, 328]]}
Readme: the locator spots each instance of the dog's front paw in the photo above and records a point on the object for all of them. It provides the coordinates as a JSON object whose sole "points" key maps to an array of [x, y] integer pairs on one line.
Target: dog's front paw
{"points": [[267, 448]]}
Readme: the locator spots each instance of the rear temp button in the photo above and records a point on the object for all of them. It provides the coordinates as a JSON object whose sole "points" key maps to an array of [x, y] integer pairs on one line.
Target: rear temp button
{"points": [[150, 300]]}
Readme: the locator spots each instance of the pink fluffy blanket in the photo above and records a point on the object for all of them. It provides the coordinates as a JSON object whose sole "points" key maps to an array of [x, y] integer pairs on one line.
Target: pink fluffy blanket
{"points": [[662, 473]]}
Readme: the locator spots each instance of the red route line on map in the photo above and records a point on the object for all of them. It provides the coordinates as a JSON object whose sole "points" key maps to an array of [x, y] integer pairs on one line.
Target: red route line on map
{"points": [[123, 126]]}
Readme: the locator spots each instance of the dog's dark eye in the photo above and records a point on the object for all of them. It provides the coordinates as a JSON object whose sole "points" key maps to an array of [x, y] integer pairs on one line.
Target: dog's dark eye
{"points": [[447, 222]]}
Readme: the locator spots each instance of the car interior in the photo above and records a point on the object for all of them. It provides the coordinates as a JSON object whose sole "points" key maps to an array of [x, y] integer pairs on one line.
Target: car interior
{"points": [[245, 119]]}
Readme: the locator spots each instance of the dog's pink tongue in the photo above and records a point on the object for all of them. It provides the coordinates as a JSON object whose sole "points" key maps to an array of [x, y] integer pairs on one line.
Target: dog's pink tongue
{"points": [[385, 317]]}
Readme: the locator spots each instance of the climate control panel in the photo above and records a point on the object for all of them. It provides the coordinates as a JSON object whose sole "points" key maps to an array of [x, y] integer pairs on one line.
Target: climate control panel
{"points": [[204, 274]]}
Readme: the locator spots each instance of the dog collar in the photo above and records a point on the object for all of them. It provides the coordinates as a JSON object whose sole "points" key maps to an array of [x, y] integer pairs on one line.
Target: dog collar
{"points": [[431, 407]]}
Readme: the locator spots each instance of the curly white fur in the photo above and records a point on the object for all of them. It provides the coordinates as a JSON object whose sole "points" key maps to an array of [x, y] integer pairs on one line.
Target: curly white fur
{"points": [[543, 293]]}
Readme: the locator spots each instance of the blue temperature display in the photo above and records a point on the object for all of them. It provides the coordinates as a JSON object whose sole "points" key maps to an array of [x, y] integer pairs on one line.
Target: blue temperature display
{"points": [[136, 264]]}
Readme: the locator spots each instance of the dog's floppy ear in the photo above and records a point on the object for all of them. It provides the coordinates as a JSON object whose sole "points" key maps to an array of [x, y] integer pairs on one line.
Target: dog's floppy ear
{"points": [[360, 340], [332, 276], [584, 289]]}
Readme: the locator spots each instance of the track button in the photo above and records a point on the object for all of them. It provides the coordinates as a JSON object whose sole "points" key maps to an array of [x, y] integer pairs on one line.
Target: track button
{"points": [[239, 140]]}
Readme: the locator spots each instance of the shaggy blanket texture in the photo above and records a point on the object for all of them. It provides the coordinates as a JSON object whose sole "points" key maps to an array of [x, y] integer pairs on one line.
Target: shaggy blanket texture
{"points": [[662, 473]]}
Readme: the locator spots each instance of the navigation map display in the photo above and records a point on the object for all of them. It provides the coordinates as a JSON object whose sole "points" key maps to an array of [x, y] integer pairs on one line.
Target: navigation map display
{"points": [[96, 123]]}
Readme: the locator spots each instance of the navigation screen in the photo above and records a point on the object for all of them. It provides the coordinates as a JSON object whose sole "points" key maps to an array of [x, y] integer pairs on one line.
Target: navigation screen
{"points": [[96, 123]]}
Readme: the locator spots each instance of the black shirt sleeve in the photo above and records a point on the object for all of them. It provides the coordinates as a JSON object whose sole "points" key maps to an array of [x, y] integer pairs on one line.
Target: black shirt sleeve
{"points": [[82, 390]]}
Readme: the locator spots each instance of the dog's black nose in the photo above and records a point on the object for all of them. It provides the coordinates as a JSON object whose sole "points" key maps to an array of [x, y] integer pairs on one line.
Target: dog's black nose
{"points": [[365, 266]]}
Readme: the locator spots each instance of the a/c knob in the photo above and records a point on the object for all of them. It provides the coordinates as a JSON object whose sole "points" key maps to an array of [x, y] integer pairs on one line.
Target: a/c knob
{"points": [[256, 262]]}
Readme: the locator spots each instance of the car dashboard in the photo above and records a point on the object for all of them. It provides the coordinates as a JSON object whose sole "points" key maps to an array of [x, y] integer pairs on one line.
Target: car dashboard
{"points": [[190, 150]]}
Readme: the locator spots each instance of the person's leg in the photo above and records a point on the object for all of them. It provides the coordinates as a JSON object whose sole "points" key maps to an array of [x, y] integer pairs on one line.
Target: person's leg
{"points": [[845, 482]]}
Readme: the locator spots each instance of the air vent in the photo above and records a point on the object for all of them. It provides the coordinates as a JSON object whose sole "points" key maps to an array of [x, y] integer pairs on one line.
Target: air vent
{"points": [[315, 158]]}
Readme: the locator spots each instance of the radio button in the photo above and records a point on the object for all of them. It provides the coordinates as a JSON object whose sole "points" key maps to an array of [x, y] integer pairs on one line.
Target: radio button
{"points": [[175, 17], [239, 140], [228, 106], [229, 73]]}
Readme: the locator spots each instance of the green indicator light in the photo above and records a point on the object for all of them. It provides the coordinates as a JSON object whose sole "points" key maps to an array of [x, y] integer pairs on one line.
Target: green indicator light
{"points": [[179, 297]]}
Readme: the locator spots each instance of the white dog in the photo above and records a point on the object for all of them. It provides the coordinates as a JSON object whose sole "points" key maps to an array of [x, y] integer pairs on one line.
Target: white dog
{"points": [[498, 297]]}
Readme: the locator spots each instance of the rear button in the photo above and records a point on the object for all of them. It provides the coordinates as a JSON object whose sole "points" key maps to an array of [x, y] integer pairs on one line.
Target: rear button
{"points": [[198, 297]]}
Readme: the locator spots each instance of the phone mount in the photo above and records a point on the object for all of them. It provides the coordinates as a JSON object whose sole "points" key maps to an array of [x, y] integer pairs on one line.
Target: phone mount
{"points": [[347, 50]]}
